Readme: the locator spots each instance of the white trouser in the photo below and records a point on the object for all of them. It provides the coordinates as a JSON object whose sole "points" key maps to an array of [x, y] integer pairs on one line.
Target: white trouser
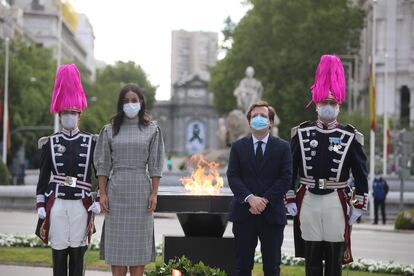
{"points": [[68, 221], [322, 218]]}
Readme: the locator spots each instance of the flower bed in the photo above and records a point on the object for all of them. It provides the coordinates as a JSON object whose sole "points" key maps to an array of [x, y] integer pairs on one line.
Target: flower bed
{"points": [[8, 240]]}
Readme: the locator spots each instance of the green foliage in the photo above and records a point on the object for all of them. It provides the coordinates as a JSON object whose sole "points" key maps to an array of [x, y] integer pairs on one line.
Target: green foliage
{"points": [[283, 41], [186, 267], [31, 74], [405, 220], [103, 94], [4, 174], [31, 77]]}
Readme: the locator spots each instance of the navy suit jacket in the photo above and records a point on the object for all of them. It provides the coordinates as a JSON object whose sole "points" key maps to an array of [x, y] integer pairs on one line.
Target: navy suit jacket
{"points": [[271, 179]]}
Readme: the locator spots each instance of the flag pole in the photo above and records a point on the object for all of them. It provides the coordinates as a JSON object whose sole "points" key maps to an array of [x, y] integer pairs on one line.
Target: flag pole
{"points": [[6, 102], [373, 114]]}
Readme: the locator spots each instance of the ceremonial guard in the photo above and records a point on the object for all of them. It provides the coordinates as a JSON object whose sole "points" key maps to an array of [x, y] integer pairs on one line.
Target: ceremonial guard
{"points": [[63, 195], [324, 153]]}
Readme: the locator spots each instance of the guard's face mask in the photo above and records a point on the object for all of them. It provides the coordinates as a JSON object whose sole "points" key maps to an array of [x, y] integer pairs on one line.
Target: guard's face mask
{"points": [[69, 121], [328, 111]]}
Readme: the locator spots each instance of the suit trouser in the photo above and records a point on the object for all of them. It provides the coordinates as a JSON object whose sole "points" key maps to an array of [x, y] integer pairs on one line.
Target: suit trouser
{"points": [[246, 234], [379, 203]]}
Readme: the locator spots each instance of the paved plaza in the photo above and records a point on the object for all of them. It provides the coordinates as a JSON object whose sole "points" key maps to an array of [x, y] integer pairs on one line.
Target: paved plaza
{"points": [[377, 242]]}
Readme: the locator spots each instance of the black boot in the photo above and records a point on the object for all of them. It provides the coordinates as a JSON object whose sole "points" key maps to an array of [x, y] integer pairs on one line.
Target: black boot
{"points": [[76, 262], [334, 252], [313, 258], [60, 262]]}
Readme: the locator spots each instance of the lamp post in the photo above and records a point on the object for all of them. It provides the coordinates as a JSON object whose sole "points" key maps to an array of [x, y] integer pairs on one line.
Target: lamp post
{"points": [[385, 127], [6, 102], [58, 56]]}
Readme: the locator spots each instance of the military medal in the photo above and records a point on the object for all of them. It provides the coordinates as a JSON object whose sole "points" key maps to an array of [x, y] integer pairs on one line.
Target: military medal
{"points": [[334, 144], [61, 149], [313, 143]]}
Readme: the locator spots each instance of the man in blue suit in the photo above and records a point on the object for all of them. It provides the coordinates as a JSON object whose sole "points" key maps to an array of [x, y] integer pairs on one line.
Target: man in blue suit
{"points": [[259, 174]]}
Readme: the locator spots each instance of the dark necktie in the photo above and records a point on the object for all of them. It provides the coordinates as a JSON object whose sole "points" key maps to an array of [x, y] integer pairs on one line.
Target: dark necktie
{"points": [[259, 152]]}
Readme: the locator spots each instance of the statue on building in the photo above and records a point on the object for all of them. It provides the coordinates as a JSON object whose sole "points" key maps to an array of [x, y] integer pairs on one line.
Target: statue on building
{"points": [[249, 90]]}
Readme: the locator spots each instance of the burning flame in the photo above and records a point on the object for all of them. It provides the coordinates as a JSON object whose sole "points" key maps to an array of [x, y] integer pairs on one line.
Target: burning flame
{"points": [[202, 182]]}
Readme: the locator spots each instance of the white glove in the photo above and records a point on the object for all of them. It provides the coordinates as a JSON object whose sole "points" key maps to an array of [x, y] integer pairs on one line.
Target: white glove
{"points": [[95, 208], [355, 214], [41, 212], [292, 208]]}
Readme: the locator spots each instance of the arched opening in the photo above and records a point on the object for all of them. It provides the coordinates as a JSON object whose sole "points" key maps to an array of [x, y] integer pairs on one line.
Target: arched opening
{"points": [[405, 106]]}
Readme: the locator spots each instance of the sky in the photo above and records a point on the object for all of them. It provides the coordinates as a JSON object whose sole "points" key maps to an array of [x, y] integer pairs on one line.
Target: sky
{"points": [[140, 30]]}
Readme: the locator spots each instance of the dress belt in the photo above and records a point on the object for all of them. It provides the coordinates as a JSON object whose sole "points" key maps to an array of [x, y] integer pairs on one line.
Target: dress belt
{"points": [[322, 186], [71, 181]]}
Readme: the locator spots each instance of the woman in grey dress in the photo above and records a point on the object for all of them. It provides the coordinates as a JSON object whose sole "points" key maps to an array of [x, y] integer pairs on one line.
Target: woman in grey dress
{"points": [[128, 157]]}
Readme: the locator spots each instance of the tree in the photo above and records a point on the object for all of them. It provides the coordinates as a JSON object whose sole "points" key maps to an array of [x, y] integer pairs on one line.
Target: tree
{"points": [[103, 93], [283, 41], [31, 73]]}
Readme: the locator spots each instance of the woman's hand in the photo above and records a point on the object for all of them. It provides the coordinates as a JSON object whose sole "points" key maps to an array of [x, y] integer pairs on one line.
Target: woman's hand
{"points": [[103, 200], [152, 202]]}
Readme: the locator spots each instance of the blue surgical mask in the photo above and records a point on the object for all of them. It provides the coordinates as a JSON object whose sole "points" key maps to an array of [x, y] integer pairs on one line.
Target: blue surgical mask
{"points": [[259, 122], [131, 109]]}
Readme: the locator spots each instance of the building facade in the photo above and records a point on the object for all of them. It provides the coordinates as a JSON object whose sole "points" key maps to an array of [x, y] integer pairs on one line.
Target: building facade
{"points": [[41, 21], [189, 121], [393, 56], [192, 53]]}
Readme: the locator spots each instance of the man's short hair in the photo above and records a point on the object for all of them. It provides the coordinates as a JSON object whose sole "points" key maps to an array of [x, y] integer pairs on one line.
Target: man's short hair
{"points": [[272, 111]]}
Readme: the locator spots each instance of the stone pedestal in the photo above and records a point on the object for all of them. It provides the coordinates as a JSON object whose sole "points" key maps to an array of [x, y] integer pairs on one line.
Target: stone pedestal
{"points": [[204, 220]]}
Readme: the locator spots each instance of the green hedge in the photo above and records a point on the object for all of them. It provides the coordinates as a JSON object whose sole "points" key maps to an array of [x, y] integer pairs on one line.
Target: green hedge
{"points": [[405, 220], [186, 267], [4, 174]]}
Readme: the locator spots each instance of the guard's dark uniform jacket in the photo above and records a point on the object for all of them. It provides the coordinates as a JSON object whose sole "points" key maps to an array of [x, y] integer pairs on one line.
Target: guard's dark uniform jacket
{"points": [[65, 172], [323, 157]]}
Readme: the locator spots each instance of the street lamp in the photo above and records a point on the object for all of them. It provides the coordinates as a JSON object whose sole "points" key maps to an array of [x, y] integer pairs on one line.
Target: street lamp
{"points": [[6, 101], [58, 54], [385, 127]]}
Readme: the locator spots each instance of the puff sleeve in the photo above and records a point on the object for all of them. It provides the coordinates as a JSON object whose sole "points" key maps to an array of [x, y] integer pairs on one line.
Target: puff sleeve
{"points": [[156, 154], [102, 155]]}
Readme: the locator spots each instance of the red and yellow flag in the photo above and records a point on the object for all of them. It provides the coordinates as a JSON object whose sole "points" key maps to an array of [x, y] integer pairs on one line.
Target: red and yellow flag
{"points": [[388, 138], [373, 115]]}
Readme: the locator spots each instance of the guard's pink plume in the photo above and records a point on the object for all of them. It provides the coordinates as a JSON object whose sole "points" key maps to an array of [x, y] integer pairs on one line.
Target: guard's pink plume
{"points": [[330, 77], [68, 92]]}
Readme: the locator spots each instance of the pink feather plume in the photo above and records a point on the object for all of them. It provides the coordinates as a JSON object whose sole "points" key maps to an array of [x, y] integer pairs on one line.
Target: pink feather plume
{"points": [[68, 92], [330, 77]]}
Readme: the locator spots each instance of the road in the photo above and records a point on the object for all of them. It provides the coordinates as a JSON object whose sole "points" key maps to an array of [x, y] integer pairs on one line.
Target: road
{"points": [[369, 242]]}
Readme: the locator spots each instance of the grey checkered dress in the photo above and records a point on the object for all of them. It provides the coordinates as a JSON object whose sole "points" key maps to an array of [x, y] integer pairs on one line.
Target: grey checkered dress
{"points": [[129, 160]]}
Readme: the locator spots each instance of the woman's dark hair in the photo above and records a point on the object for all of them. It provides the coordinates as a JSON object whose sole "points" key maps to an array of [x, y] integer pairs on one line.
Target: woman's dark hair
{"points": [[118, 118]]}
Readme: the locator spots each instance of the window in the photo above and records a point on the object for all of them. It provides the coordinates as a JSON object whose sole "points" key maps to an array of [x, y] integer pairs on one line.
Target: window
{"points": [[405, 106]]}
